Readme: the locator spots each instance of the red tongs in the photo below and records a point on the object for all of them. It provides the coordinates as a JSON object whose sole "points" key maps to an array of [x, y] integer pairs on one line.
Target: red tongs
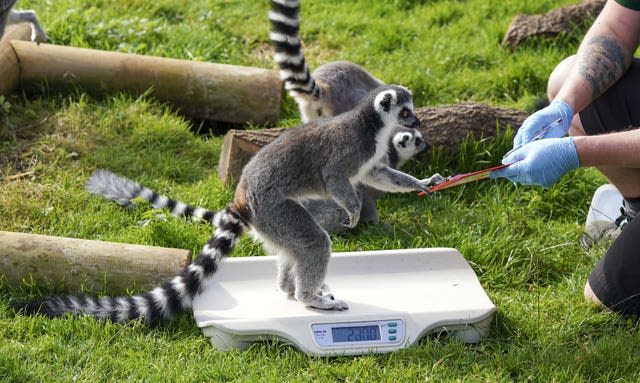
{"points": [[460, 179]]}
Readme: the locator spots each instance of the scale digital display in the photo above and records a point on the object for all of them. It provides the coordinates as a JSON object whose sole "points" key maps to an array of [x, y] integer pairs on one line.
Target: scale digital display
{"points": [[349, 334], [355, 334]]}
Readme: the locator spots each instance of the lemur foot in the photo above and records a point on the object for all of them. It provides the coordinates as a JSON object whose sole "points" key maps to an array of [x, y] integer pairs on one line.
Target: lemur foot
{"points": [[325, 291], [323, 302]]}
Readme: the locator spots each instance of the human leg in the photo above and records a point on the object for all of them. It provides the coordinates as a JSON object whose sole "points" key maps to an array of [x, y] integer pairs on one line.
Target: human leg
{"points": [[615, 281]]}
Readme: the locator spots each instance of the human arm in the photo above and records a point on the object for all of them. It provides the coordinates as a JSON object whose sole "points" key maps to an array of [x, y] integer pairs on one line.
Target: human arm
{"points": [[602, 58], [543, 162], [621, 149]]}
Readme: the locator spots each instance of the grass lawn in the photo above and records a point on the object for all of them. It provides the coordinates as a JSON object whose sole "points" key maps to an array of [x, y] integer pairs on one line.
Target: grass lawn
{"points": [[521, 241]]}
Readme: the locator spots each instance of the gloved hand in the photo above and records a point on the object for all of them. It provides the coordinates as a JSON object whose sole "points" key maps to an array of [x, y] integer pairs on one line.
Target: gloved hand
{"points": [[540, 162], [547, 117]]}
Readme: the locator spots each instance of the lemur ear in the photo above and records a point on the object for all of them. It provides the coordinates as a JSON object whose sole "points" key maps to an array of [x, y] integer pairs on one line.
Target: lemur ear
{"points": [[385, 103], [385, 100]]}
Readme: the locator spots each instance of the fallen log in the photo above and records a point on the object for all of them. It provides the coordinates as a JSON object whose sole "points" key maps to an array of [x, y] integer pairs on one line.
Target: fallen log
{"points": [[443, 126], [561, 20], [446, 126], [200, 90], [9, 63], [99, 266]]}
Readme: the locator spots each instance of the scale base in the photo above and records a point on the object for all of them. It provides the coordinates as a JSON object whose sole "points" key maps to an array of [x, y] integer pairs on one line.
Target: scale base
{"points": [[224, 340], [421, 291]]}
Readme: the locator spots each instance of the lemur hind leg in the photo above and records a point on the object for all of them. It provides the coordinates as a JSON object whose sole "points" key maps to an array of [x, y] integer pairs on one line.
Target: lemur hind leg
{"points": [[286, 279], [307, 250]]}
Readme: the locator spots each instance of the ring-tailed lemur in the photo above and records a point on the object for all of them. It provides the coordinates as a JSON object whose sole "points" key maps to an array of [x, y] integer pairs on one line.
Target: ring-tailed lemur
{"points": [[10, 16], [331, 89], [324, 158]]}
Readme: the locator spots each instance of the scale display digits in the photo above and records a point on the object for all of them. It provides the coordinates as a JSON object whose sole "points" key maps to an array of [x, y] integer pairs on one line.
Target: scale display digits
{"points": [[355, 334]]}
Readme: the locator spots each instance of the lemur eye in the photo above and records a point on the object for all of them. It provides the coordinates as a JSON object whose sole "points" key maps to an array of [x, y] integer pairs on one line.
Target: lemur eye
{"points": [[404, 113]]}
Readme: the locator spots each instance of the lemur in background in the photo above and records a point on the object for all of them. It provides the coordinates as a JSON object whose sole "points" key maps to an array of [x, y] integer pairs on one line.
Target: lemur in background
{"points": [[331, 89], [10, 16], [322, 159]]}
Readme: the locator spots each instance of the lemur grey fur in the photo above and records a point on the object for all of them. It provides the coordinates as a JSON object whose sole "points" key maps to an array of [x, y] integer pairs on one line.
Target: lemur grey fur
{"points": [[10, 16], [331, 89], [405, 144], [323, 159]]}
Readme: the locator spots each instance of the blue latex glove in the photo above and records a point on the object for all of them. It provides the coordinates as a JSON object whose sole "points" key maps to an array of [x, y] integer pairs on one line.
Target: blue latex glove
{"points": [[545, 118], [540, 162]]}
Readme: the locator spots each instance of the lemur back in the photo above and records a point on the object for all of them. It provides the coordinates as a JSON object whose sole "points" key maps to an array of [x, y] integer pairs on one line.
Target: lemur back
{"points": [[331, 89], [323, 159]]}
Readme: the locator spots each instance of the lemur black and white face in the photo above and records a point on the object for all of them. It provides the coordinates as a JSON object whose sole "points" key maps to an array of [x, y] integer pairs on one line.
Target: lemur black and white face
{"points": [[395, 107], [407, 144]]}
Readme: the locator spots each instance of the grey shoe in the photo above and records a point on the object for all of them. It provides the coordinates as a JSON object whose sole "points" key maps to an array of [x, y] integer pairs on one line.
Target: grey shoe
{"points": [[607, 216]]}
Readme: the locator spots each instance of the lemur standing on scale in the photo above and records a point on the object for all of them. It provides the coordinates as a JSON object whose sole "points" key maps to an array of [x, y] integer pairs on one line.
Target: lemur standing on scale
{"points": [[10, 16], [331, 89], [322, 159]]}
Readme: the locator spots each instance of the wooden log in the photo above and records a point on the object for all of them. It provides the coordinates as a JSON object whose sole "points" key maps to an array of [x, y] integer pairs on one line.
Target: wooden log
{"points": [[446, 126], [561, 20], [95, 265], [9, 65], [238, 148], [201, 90], [442, 126]]}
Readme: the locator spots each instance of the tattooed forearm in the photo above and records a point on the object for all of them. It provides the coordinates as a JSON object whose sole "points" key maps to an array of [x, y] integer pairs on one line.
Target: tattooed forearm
{"points": [[602, 63]]}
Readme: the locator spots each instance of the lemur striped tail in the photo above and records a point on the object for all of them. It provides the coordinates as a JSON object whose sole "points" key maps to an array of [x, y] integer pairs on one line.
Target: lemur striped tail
{"points": [[285, 37], [123, 191], [162, 303]]}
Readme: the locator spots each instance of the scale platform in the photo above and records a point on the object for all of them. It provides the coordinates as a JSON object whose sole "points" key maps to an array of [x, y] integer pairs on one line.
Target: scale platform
{"points": [[395, 298]]}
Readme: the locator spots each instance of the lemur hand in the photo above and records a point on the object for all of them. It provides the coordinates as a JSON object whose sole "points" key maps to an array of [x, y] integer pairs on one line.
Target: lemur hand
{"points": [[556, 118], [352, 219], [540, 162], [431, 182]]}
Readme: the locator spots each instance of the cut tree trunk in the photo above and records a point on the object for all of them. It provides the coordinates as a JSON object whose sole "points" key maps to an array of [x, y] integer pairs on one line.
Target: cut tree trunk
{"points": [[99, 266], [238, 148], [201, 90], [446, 126], [561, 20], [9, 63], [442, 126]]}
